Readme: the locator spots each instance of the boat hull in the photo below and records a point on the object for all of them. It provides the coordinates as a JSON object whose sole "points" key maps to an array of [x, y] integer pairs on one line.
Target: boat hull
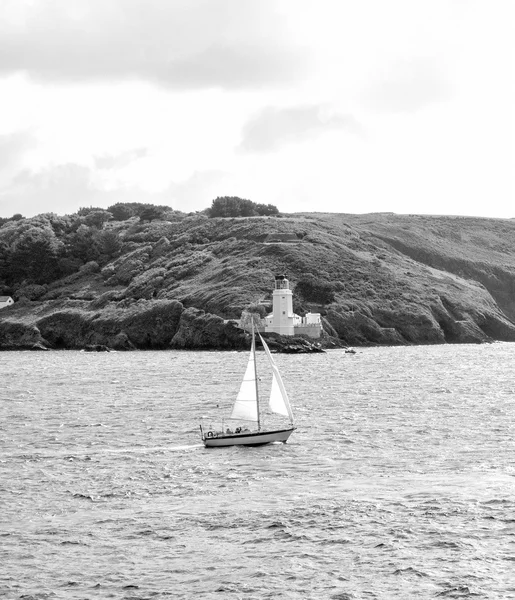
{"points": [[247, 439]]}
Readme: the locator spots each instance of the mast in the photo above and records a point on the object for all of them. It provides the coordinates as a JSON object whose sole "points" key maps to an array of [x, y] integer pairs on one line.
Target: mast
{"points": [[256, 375]]}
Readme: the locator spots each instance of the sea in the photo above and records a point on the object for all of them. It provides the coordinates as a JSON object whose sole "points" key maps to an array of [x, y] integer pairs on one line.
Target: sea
{"points": [[398, 483]]}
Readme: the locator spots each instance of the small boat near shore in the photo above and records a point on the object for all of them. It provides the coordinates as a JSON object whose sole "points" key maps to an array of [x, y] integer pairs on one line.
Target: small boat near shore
{"points": [[247, 409]]}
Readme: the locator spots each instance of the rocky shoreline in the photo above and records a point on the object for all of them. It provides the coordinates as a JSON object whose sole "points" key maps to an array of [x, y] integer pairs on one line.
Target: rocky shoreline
{"points": [[152, 325]]}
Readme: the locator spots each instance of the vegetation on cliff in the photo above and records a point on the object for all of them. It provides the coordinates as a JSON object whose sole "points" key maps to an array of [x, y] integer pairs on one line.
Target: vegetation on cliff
{"points": [[166, 279], [232, 206]]}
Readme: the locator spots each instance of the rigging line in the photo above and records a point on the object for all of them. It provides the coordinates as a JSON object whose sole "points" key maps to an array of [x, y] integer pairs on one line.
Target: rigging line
{"points": [[256, 376]]}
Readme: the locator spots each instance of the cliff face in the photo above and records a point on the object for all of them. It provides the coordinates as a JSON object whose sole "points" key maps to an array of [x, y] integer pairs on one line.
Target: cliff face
{"points": [[376, 279]]}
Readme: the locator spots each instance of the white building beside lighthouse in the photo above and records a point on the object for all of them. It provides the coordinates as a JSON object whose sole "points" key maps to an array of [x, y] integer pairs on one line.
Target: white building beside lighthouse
{"points": [[283, 320]]}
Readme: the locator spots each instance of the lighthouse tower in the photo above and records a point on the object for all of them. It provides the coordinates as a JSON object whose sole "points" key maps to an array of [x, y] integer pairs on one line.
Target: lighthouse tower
{"points": [[283, 318]]}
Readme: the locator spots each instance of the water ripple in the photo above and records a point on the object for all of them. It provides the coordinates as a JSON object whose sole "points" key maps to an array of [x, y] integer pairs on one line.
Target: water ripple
{"points": [[399, 482]]}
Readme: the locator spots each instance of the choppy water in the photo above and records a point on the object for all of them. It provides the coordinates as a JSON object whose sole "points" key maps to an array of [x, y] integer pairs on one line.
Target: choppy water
{"points": [[399, 482]]}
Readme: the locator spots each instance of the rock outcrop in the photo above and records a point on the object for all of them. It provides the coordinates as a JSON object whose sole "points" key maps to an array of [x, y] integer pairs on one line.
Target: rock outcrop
{"points": [[20, 336], [204, 331], [296, 344]]}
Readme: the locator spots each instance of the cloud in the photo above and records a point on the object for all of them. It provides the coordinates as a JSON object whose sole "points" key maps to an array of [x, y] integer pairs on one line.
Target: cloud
{"points": [[65, 188], [184, 44], [198, 191], [408, 86], [13, 146], [274, 127], [109, 161], [68, 181]]}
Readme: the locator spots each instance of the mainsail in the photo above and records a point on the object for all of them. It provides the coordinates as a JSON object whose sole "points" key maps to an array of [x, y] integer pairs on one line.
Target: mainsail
{"points": [[279, 402], [246, 405]]}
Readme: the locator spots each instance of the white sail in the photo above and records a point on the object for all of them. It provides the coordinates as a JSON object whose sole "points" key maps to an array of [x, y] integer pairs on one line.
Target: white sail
{"points": [[246, 407], [279, 402], [276, 402]]}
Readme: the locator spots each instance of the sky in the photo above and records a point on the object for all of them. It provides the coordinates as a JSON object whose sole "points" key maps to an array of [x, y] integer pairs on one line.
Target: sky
{"points": [[403, 106]]}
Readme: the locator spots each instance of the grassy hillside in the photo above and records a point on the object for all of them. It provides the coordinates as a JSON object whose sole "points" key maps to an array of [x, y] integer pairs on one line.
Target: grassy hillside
{"points": [[481, 250], [376, 279]]}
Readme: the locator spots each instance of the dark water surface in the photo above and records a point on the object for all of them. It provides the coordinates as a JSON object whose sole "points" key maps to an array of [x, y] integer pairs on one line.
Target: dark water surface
{"points": [[399, 482]]}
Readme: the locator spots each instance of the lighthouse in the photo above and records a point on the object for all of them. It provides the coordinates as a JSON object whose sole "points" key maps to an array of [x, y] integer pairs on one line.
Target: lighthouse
{"points": [[283, 317], [283, 320]]}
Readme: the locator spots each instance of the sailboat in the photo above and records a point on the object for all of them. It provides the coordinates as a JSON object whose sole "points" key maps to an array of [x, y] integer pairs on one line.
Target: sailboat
{"points": [[247, 408]]}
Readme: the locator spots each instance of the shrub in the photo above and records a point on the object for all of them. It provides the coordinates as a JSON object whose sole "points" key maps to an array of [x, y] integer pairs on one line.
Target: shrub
{"points": [[232, 206], [258, 309], [314, 290]]}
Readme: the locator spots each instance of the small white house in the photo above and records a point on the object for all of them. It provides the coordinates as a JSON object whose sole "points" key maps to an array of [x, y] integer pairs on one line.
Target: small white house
{"points": [[5, 301]]}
